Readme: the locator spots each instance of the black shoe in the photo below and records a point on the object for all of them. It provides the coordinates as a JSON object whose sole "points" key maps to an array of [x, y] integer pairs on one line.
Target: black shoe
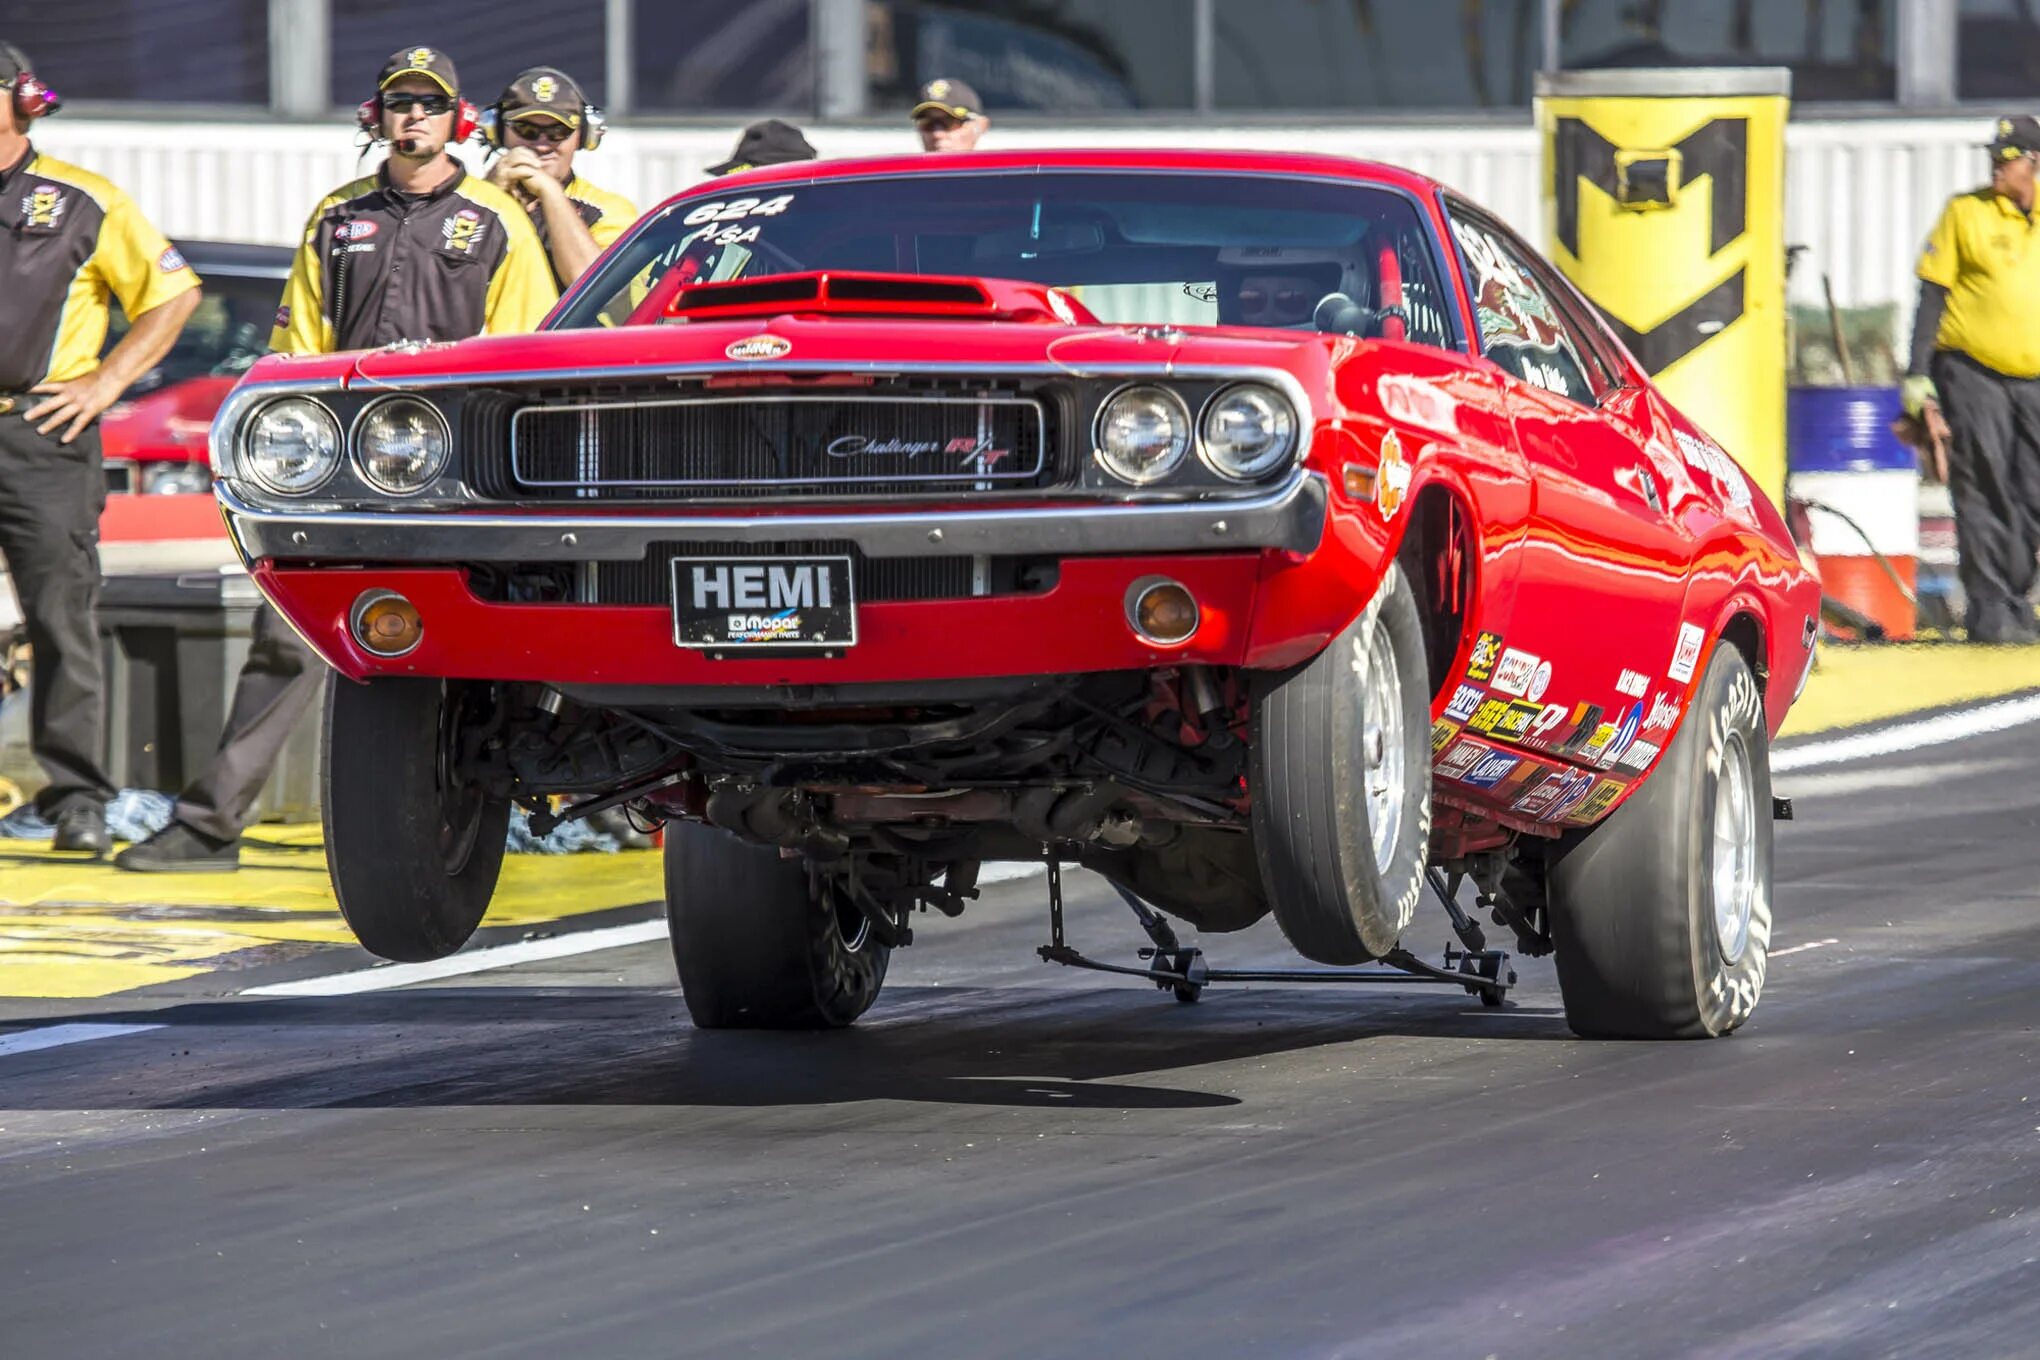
{"points": [[83, 827], [177, 849]]}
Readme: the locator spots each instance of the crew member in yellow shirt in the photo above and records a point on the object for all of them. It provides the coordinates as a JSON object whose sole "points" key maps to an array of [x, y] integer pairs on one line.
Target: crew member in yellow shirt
{"points": [[540, 123], [1974, 380]]}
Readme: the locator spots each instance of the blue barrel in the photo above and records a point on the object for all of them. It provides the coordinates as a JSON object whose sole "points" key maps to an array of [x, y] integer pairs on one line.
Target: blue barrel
{"points": [[1843, 429]]}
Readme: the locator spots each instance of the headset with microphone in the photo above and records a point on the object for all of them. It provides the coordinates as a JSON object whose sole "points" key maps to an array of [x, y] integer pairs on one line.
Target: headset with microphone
{"points": [[370, 114], [594, 123], [30, 97]]}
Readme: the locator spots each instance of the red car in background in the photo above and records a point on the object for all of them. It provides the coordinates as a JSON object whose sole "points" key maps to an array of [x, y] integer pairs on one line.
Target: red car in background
{"points": [[154, 437], [1263, 532]]}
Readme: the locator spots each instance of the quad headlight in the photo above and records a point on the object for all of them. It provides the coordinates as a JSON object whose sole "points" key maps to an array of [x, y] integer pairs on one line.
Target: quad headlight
{"points": [[401, 444], [1143, 434], [291, 446], [1248, 431]]}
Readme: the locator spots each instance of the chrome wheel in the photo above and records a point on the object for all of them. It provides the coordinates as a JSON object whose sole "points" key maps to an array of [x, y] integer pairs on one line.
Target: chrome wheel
{"points": [[1381, 741], [1735, 850]]}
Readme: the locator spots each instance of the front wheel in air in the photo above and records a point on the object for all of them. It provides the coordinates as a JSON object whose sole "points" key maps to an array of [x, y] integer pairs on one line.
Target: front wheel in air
{"points": [[1661, 915], [413, 847], [1340, 779]]}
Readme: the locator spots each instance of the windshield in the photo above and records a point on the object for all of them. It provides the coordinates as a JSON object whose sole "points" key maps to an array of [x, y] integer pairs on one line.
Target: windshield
{"points": [[1135, 247], [225, 336]]}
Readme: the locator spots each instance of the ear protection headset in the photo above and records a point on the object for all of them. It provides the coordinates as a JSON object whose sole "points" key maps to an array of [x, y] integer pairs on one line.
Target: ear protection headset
{"points": [[593, 122], [465, 119], [30, 97]]}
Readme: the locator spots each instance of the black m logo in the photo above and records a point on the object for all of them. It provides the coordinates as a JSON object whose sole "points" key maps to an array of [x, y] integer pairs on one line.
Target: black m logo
{"points": [[1720, 150]]}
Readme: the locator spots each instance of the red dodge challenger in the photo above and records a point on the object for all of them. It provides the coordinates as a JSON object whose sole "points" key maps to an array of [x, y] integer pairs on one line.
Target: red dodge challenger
{"points": [[1263, 532]]}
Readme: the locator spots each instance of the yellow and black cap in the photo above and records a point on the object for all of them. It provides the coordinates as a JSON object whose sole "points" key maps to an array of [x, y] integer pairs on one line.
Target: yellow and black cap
{"points": [[543, 92], [429, 62], [770, 142], [952, 97], [2015, 136]]}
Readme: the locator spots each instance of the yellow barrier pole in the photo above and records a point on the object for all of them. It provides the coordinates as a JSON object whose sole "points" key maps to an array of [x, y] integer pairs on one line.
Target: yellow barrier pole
{"points": [[1664, 201]]}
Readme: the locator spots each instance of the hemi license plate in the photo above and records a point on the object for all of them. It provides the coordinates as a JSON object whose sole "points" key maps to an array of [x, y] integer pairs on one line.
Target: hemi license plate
{"points": [[733, 603]]}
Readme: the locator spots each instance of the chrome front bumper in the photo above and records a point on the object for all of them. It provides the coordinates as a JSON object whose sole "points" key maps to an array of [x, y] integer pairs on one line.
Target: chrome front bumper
{"points": [[1291, 516]]}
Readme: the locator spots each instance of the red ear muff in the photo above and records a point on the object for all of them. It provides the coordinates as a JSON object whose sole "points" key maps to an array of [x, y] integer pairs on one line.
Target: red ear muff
{"points": [[465, 120], [33, 99], [368, 117]]}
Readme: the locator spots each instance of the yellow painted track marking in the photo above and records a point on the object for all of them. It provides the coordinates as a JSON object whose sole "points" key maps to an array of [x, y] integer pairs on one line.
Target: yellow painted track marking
{"points": [[1853, 685], [70, 927]]}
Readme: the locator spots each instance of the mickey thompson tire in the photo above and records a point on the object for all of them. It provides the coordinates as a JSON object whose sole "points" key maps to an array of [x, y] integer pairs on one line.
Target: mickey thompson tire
{"points": [[413, 851], [1340, 773], [1661, 916], [756, 944]]}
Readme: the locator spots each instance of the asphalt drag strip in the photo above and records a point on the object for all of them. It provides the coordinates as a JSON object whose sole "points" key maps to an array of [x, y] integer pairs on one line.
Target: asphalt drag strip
{"points": [[1008, 1159]]}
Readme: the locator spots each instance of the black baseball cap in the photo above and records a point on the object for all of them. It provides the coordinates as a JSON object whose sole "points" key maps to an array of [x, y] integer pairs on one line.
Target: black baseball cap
{"points": [[2017, 134], [953, 97], [770, 142], [429, 62], [543, 92], [13, 62]]}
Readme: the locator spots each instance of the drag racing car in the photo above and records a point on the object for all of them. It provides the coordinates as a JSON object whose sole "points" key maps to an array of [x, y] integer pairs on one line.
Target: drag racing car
{"points": [[1266, 533]]}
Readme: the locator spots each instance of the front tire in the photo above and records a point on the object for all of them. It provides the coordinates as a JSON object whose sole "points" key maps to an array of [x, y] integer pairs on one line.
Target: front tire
{"points": [[760, 943], [413, 849], [1341, 782], [1661, 917]]}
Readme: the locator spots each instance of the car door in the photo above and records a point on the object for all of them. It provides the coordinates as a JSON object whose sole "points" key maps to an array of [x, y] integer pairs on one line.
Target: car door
{"points": [[1601, 582]]}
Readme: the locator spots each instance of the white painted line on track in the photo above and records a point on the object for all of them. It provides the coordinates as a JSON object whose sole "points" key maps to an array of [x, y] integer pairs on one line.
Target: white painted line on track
{"points": [[1969, 722], [1801, 948], [56, 1036], [469, 961]]}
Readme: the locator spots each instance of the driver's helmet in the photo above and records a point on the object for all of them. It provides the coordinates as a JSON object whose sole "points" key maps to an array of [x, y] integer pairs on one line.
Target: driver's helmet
{"points": [[1281, 286]]}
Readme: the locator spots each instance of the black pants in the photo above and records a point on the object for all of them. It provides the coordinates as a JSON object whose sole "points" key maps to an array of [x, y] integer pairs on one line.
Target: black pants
{"points": [[278, 682], [1994, 483], [50, 498]]}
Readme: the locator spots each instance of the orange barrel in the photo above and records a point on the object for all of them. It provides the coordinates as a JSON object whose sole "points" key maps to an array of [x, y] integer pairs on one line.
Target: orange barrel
{"points": [[1861, 488]]}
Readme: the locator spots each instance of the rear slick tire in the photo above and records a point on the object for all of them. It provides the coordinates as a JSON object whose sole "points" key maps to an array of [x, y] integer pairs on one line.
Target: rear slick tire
{"points": [[758, 945], [1340, 775], [1661, 916], [414, 852]]}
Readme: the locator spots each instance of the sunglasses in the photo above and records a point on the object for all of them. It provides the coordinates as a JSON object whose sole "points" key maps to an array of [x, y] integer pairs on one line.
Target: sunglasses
{"points": [[400, 101], [542, 130]]}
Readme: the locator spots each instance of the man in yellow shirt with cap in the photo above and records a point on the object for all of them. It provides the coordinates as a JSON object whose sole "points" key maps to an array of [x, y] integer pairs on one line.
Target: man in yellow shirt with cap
{"points": [[1974, 380], [69, 242], [540, 123]]}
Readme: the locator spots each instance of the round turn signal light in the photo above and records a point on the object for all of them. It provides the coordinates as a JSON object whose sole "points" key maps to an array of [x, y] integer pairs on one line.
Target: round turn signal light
{"points": [[1161, 611], [386, 623]]}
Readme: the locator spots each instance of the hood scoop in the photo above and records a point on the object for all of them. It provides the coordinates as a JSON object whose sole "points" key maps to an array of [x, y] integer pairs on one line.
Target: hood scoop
{"points": [[892, 296]]}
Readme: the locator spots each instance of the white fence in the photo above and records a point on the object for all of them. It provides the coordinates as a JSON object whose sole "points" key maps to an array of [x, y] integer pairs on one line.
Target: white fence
{"points": [[1860, 193]]}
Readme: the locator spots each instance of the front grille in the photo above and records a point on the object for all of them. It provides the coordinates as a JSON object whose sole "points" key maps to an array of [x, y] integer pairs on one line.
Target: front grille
{"points": [[791, 443]]}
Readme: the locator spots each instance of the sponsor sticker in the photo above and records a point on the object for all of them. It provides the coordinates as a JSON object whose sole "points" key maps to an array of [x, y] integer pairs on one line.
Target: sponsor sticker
{"points": [[1456, 762], [1625, 732], [1705, 457], [1540, 681], [1442, 734], [1490, 769], [759, 347], [1687, 654], [1488, 714], [1584, 720], [283, 317], [1392, 480], [1545, 727], [170, 261], [1487, 649], [1513, 672], [463, 230], [42, 206], [1639, 755], [1465, 699], [359, 229], [1516, 720], [1664, 711], [1597, 801], [1632, 683], [1556, 796], [1598, 743]]}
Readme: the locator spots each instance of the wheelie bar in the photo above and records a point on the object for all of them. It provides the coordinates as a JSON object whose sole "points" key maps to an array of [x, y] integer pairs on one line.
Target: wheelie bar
{"points": [[1175, 967]]}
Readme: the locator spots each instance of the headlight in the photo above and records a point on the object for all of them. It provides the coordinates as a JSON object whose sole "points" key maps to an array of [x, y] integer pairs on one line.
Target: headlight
{"points": [[291, 446], [401, 445], [1143, 433], [1248, 430], [176, 479]]}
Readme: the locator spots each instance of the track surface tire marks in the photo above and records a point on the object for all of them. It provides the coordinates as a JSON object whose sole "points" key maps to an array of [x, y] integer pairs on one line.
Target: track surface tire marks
{"points": [[1008, 1160]]}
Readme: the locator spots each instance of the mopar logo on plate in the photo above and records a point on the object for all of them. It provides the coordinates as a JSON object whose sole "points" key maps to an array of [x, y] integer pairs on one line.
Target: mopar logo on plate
{"points": [[762, 601]]}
